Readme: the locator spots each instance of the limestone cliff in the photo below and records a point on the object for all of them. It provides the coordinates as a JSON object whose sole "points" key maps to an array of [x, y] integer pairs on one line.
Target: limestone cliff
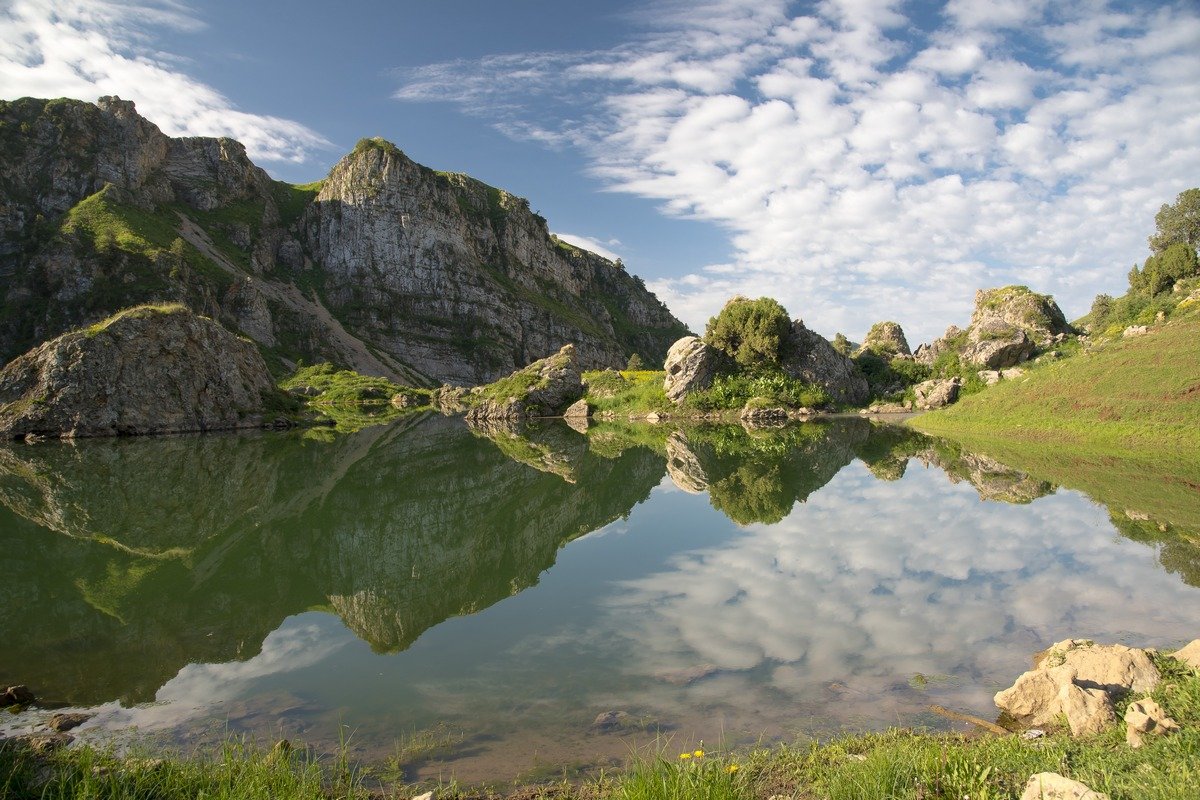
{"points": [[386, 267]]}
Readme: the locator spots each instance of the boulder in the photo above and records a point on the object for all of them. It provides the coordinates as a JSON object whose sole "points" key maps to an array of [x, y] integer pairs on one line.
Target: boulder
{"points": [[886, 338], [545, 388], [146, 370], [1135, 330], [757, 416], [812, 359], [1088, 711], [16, 696], [950, 340], [1190, 654], [936, 393], [690, 367], [1041, 694], [989, 376], [578, 410], [60, 723], [683, 465], [1147, 718], [1052, 786], [996, 345]]}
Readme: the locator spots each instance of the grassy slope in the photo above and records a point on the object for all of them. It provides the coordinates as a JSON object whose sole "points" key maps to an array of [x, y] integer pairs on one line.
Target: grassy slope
{"points": [[1139, 395]]}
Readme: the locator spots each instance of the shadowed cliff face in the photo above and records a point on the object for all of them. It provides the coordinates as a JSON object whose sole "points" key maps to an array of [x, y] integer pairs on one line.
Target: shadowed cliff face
{"points": [[193, 550]]}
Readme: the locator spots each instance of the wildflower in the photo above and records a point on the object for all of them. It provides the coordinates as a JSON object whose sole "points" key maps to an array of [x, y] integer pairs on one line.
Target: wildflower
{"points": [[685, 756], [699, 754], [732, 768]]}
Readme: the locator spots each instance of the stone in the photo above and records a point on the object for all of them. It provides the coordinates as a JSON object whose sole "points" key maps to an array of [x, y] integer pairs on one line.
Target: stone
{"points": [[405, 400], [1089, 711], [989, 376], [425, 796], [1135, 330], [16, 696], [147, 370], [65, 722], [1147, 718], [610, 720], [755, 416], [691, 365], [547, 387], [1038, 696], [46, 743], [683, 465], [1037, 315], [996, 345], [812, 359], [1052, 786], [578, 410], [928, 353], [688, 675], [885, 338], [889, 408], [936, 393], [1190, 654], [1012, 373]]}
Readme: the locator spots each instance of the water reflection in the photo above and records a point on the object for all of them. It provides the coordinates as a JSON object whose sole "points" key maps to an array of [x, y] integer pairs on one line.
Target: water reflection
{"points": [[859, 557]]}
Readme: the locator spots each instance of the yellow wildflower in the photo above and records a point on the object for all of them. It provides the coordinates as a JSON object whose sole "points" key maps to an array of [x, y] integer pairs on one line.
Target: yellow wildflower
{"points": [[699, 754], [732, 768], [685, 756]]}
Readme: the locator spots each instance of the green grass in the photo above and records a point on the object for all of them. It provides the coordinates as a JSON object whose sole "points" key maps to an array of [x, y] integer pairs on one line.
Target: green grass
{"points": [[1136, 394], [350, 400], [730, 392], [623, 393], [137, 312], [292, 198]]}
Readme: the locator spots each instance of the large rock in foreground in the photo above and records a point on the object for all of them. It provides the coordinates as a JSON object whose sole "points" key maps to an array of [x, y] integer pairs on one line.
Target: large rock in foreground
{"points": [[147, 370], [1079, 679], [690, 367], [813, 360], [546, 388]]}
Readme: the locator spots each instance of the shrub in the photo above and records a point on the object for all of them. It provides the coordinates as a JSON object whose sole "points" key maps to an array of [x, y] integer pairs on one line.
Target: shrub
{"points": [[752, 332], [775, 388]]}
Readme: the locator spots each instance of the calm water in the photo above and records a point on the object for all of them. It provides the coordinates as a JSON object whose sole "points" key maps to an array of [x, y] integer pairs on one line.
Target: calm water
{"points": [[494, 592]]}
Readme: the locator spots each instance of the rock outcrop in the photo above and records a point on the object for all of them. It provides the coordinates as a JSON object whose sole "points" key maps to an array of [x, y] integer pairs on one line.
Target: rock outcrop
{"points": [[1008, 326], [936, 393], [1080, 679], [386, 267], [146, 370], [886, 338], [1147, 718], [812, 359], [691, 365], [546, 388]]}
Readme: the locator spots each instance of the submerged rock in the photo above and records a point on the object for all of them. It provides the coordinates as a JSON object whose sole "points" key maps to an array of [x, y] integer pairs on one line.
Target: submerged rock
{"points": [[147, 370]]}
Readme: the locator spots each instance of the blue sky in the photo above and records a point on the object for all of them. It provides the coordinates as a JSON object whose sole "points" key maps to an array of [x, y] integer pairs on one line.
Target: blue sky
{"points": [[857, 159]]}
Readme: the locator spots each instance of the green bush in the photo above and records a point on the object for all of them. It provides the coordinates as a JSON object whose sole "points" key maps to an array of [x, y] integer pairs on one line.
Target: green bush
{"points": [[754, 333], [734, 391]]}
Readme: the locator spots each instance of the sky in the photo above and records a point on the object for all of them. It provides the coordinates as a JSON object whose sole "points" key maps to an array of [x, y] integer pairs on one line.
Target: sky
{"points": [[858, 160]]}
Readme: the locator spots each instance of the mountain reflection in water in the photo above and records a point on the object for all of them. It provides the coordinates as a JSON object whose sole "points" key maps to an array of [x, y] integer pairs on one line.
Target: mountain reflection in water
{"points": [[846, 572]]}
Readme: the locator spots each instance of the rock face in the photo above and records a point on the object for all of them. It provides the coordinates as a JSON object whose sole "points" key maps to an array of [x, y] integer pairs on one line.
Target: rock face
{"points": [[813, 360], [1078, 678], [936, 393], [387, 267], [886, 338], [147, 370], [546, 388], [1008, 326], [690, 367]]}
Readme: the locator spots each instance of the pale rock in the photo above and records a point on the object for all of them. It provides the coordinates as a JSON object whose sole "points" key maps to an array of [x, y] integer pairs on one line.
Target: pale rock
{"points": [[996, 345], [812, 359], [1089, 711], [885, 338], [763, 417], [691, 366], [555, 382], [1052, 786], [989, 376], [683, 465], [578, 410], [1012, 373], [1135, 330], [1190, 654], [936, 393], [1147, 718]]}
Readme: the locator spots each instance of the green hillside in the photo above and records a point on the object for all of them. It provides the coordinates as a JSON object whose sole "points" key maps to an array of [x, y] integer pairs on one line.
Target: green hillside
{"points": [[1137, 394]]}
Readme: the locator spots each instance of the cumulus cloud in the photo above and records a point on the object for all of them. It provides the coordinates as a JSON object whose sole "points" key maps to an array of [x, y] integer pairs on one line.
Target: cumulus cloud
{"points": [[865, 169], [595, 245], [89, 48]]}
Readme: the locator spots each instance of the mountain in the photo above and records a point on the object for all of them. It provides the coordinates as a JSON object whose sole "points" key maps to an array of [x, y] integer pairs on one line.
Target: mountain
{"points": [[386, 266]]}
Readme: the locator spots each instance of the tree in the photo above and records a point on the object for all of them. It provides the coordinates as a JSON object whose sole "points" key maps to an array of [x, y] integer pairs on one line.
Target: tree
{"points": [[1173, 264], [635, 363], [752, 332], [842, 344], [1178, 224], [1101, 308]]}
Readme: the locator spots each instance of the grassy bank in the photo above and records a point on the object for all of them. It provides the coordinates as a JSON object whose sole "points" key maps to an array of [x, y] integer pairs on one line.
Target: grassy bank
{"points": [[897, 764], [1138, 394]]}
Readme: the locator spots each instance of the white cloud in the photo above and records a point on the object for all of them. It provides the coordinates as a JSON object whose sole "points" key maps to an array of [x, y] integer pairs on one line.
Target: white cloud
{"points": [[866, 172], [89, 48]]}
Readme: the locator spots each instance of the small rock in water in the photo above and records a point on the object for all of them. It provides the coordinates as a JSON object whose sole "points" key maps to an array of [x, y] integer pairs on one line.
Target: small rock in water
{"points": [[41, 744], [16, 696], [688, 675], [610, 719], [65, 722]]}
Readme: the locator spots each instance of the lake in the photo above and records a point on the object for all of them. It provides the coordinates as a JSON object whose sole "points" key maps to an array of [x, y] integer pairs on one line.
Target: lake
{"points": [[506, 604]]}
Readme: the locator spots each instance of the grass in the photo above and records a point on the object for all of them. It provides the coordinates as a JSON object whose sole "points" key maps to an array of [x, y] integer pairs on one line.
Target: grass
{"points": [[629, 392], [352, 401], [137, 312], [1137, 394]]}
